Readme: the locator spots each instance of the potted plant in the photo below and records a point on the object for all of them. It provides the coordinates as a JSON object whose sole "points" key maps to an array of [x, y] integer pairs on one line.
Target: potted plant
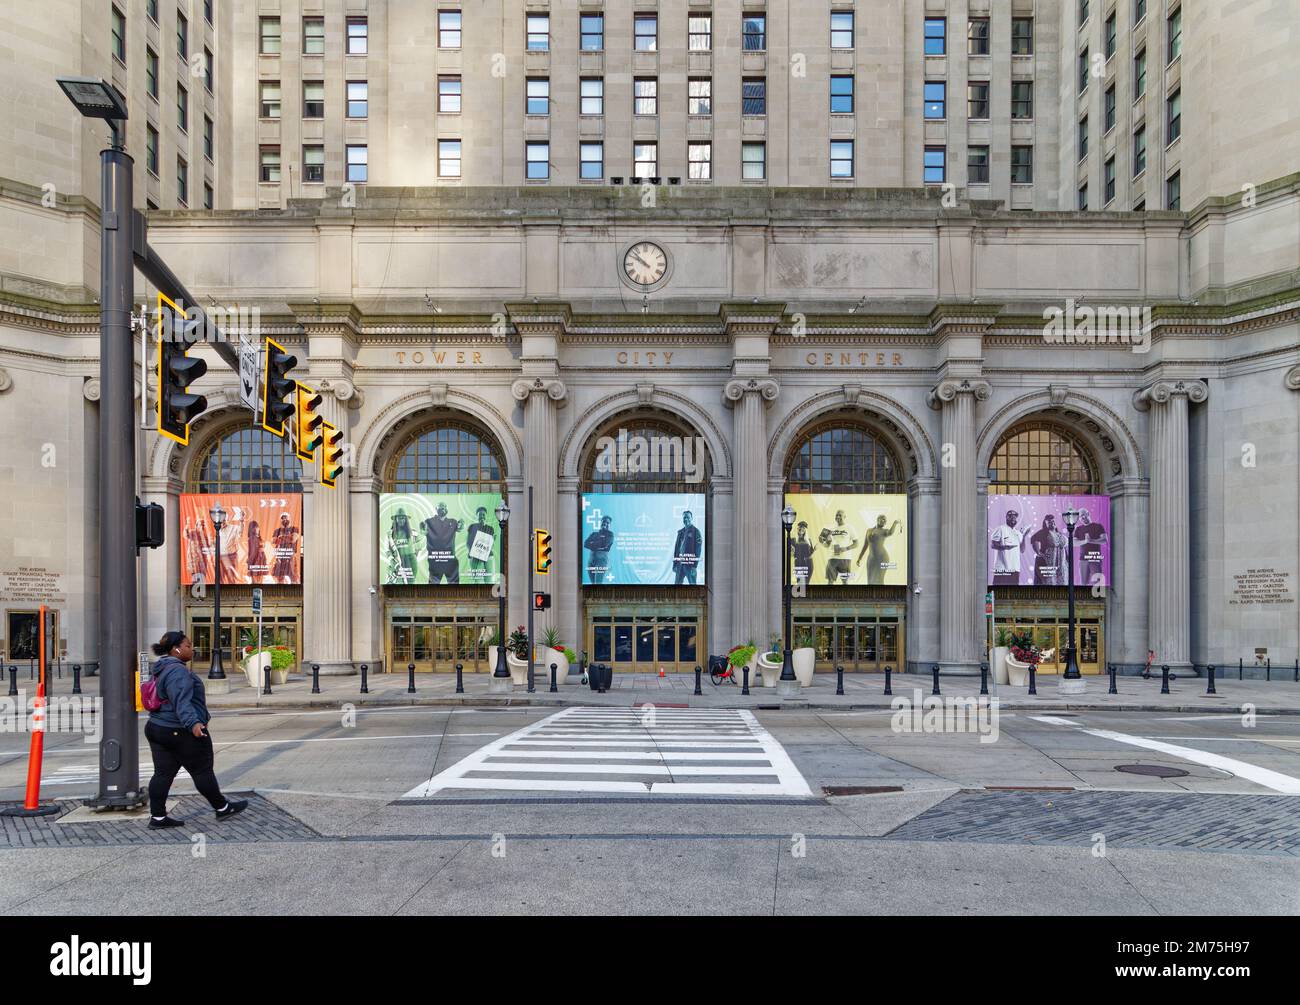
{"points": [[770, 662], [805, 657], [742, 656], [552, 650], [254, 664], [517, 656], [1001, 646], [1023, 655]]}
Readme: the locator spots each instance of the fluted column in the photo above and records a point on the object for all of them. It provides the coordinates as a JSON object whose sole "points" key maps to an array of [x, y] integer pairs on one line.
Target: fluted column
{"points": [[1169, 554], [754, 525], [958, 538], [541, 397]]}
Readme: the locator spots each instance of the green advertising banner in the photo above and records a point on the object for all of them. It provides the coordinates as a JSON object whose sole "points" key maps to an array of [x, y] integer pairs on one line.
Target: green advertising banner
{"points": [[436, 538]]}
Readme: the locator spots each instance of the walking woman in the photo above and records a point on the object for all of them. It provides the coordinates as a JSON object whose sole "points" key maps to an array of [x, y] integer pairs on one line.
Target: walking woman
{"points": [[178, 733]]}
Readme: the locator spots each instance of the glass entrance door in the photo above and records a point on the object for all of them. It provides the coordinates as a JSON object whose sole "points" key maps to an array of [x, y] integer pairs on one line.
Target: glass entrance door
{"points": [[1054, 632], [239, 632], [436, 643], [644, 643], [858, 642]]}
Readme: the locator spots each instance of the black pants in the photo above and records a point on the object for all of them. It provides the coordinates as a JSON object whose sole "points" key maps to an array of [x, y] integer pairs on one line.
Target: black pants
{"points": [[174, 749]]}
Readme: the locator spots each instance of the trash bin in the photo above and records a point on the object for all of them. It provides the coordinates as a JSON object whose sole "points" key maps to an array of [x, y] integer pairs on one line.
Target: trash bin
{"points": [[600, 676]]}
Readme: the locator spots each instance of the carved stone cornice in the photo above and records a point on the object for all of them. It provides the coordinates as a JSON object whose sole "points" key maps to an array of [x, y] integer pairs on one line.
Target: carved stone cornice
{"points": [[947, 390], [1293, 378], [552, 387], [737, 387], [1162, 391]]}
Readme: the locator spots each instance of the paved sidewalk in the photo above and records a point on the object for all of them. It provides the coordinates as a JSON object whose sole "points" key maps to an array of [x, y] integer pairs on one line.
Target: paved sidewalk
{"points": [[860, 691]]}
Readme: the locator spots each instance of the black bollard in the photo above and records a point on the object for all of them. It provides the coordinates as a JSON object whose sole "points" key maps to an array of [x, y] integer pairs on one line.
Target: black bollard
{"points": [[745, 688], [59, 664], [698, 671], [13, 680], [839, 679], [984, 678], [889, 684], [1209, 680], [410, 678], [1110, 669], [365, 671], [1033, 678], [1268, 669], [315, 678], [31, 669], [1164, 678], [1295, 677], [934, 672], [554, 669], [460, 679], [266, 677], [1239, 664], [76, 678]]}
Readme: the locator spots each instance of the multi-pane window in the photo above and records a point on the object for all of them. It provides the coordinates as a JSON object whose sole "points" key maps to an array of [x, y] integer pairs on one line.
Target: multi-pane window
{"points": [[313, 164], [840, 458], [753, 161], [977, 99], [448, 29], [270, 99], [592, 96], [1083, 11], [645, 32], [645, 160], [1083, 196], [1022, 165], [1139, 10], [119, 35], [936, 36], [935, 165], [699, 32], [753, 32], [645, 96], [449, 158], [1022, 36], [1174, 35], [358, 43], [182, 109], [841, 29], [151, 8], [449, 458], [591, 31], [591, 160], [1173, 116], [313, 36], [1140, 74], [977, 165], [151, 72], [270, 164], [753, 96], [1108, 178], [270, 36], [539, 96], [209, 139], [1109, 108], [1083, 137], [1022, 99], [539, 32], [182, 181], [207, 68], [449, 94], [1174, 191], [1083, 70], [842, 94], [1139, 151], [313, 99], [699, 160], [699, 96], [1035, 458], [977, 36], [1110, 35], [537, 160], [936, 93], [182, 36], [151, 149], [207, 11], [358, 99], [841, 158], [249, 460], [207, 196], [358, 163], [1140, 206]]}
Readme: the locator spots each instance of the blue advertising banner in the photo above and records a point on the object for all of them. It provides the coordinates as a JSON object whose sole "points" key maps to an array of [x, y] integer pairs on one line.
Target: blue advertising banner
{"points": [[643, 538]]}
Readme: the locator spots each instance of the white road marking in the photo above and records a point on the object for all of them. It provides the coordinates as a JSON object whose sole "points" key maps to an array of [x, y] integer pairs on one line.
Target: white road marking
{"points": [[1260, 776], [338, 739], [597, 742]]}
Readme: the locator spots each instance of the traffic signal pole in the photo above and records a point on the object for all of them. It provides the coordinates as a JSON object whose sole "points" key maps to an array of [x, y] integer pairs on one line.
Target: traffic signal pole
{"points": [[532, 560]]}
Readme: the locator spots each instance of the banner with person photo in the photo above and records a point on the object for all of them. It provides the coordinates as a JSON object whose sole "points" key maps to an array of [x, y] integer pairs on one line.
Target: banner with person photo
{"points": [[450, 538], [1028, 541], [643, 538], [261, 538], [843, 539]]}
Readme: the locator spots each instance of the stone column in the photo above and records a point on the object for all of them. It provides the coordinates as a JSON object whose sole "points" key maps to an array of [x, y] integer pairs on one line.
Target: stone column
{"points": [[541, 397], [1169, 555], [368, 643], [754, 524], [958, 544], [923, 561]]}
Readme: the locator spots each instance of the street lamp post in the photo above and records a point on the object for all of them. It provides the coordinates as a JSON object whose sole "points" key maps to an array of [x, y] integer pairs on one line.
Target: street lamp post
{"points": [[501, 676], [1072, 681], [788, 685], [216, 672]]}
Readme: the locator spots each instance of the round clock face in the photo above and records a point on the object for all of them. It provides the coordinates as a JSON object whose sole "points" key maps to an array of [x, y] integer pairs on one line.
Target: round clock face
{"points": [[645, 263]]}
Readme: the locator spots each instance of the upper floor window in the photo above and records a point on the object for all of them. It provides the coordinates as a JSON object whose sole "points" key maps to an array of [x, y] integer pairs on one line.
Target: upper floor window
{"points": [[313, 164], [1022, 99], [270, 36], [207, 69], [313, 36], [936, 92], [592, 30], [591, 160], [1139, 151], [753, 96], [358, 99], [207, 11], [539, 32], [1036, 458], [449, 94], [1173, 116], [977, 37], [151, 8], [151, 72], [449, 158], [645, 31], [358, 36], [836, 457], [1174, 191], [699, 161], [358, 163], [645, 160], [753, 32], [699, 29], [250, 460], [699, 96], [1111, 35], [1083, 11], [182, 181], [645, 96], [1139, 10], [841, 29], [753, 161], [151, 149], [977, 165], [1022, 165], [270, 98], [1108, 180], [977, 99], [537, 160], [841, 158], [1022, 36], [591, 96], [448, 29], [539, 96], [208, 196], [1083, 137], [842, 94], [313, 99], [1109, 108], [119, 35], [1140, 73], [1085, 68], [182, 36], [182, 109], [936, 36], [935, 168], [1175, 35], [209, 138]]}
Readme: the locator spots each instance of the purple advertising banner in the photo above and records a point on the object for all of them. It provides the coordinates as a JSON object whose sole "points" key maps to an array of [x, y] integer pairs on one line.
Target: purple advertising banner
{"points": [[1028, 541]]}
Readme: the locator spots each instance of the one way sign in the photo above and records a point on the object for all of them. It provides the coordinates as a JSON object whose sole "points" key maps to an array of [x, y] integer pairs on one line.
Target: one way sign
{"points": [[249, 374]]}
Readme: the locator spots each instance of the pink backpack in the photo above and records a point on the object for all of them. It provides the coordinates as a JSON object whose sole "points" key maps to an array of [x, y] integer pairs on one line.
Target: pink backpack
{"points": [[151, 695]]}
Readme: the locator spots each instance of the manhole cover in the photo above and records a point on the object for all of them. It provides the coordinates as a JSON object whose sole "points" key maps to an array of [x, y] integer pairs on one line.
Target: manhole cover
{"points": [[1154, 770], [859, 790]]}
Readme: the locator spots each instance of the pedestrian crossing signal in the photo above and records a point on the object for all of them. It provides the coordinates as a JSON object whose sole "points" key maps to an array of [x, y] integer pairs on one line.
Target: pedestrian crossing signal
{"points": [[542, 551], [309, 421], [541, 601], [331, 461]]}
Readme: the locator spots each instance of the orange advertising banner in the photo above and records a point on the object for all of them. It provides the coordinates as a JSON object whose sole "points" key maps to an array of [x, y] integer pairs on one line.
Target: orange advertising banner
{"points": [[261, 539]]}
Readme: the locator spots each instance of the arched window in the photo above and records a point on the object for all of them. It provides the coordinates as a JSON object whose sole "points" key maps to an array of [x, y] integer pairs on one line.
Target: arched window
{"points": [[248, 459], [646, 454], [840, 458], [1039, 458], [450, 456]]}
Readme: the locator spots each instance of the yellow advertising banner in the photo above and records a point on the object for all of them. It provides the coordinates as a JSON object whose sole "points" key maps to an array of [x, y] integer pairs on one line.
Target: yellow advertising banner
{"points": [[849, 540]]}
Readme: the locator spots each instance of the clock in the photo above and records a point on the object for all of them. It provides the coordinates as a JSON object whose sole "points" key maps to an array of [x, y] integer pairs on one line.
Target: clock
{"points": [[645, 263]]}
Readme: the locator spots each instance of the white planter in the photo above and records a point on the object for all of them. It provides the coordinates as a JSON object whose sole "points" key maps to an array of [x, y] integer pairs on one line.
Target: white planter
{"points": [[545, 657], [805, 662], [771, 671], [518, 670], [253, 669], [1017, 672], [1000, 654]]}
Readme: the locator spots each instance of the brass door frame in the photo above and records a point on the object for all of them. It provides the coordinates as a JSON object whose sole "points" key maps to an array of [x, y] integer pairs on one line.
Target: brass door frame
{"points": [[652, 622], [1058, 627]]}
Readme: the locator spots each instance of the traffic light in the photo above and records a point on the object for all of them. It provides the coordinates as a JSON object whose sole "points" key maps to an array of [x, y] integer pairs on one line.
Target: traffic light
{"points": [[276, 386], [176, 371], [542, 551], [308, 421], [331, 459], [541, 601]]}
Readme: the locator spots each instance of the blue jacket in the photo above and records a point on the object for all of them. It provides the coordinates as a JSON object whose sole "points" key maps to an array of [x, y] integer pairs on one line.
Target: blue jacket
{"points": [[184, 698]]}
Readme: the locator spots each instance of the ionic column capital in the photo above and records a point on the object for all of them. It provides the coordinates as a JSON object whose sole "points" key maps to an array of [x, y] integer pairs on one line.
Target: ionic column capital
{"points": [[552, 387], [1293, 378], [737, 387], [947, 391], [1164, 391]]}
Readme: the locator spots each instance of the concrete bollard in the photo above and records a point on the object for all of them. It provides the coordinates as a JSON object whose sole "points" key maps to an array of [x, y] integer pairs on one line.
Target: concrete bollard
{"points": [[315, 678]]}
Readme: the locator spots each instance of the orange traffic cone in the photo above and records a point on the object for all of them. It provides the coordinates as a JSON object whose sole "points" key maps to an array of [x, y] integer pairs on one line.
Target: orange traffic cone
{"points": [[661, 672]]}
